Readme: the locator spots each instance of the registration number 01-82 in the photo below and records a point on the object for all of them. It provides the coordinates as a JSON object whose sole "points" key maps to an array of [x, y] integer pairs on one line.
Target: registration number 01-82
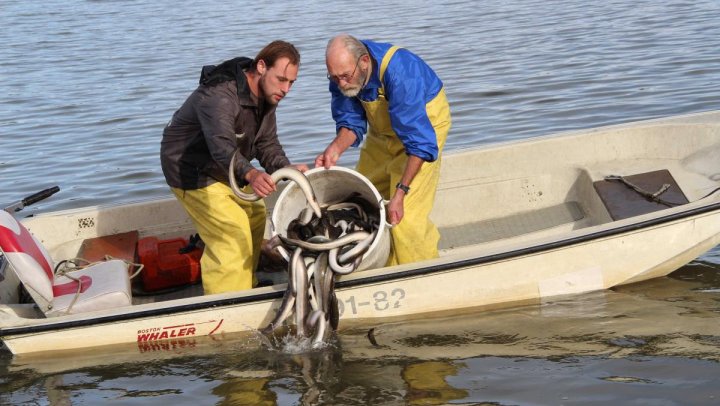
{"points": [[381, 300]]}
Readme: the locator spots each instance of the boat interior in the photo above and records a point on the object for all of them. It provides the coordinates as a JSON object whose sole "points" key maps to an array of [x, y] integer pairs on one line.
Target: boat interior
{"points": [[527, 190], [488, 197]]}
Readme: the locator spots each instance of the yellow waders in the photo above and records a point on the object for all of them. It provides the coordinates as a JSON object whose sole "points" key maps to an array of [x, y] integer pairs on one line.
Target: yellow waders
{"points": [[382, 161], [232, 230]]}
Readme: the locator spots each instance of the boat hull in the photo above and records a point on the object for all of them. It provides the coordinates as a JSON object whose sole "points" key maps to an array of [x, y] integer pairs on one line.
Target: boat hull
{"points": [[529, 274]]}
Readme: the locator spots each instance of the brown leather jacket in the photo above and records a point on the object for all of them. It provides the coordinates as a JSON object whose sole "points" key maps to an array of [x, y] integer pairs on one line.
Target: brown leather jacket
{"points": [[199, 141]]}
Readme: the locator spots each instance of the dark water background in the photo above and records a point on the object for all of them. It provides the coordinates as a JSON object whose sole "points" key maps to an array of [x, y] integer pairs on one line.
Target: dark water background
{"points": [[86, 87]]}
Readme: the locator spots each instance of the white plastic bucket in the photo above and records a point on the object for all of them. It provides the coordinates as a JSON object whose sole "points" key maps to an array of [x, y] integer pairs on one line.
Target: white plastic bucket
{"points": [[333, 186]]}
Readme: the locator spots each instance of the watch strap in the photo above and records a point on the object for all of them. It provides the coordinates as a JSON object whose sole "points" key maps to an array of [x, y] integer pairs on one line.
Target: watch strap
{"points": [[404, 188]]}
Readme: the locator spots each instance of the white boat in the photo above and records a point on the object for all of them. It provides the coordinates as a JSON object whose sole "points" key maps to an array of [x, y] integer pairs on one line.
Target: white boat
{"points": [[520, 221]]}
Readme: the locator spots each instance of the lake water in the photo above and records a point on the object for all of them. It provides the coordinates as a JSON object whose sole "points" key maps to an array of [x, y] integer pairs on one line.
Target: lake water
{"points": [[87, 87]]}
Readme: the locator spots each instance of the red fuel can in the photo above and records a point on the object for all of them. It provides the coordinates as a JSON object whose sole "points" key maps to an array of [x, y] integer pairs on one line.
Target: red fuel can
{"points": [[165, 266]]}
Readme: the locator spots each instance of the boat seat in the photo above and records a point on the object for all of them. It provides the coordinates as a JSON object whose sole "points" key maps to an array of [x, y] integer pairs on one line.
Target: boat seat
{"points": [[622, 202], [103, 285]]}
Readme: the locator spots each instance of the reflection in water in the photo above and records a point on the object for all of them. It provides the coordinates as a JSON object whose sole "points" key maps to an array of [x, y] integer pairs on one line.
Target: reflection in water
{"points": [[55, 394], [427, 384], [245, 391]]}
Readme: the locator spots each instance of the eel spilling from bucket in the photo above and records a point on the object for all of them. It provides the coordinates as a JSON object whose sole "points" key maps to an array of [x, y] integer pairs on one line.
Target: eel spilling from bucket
{"points": [[322, 247], [325, 241]]}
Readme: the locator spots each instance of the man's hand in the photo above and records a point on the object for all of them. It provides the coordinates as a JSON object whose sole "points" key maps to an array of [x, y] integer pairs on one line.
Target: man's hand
{"points": [[396, 208], [261, 182], [344, 139], [329, 157]]}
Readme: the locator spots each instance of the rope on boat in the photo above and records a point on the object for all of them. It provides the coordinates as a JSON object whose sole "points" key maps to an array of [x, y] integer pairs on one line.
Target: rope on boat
{"points": [[654, 196], [75, 266], [711, 193], [66, 266]]}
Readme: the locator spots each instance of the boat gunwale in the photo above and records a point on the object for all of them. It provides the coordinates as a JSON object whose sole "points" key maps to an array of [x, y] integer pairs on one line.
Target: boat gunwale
{"points": [[13, 331]]}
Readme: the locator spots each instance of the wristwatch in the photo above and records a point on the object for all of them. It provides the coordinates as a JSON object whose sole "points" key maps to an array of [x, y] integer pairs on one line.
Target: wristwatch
{"points": [[404, 188]]}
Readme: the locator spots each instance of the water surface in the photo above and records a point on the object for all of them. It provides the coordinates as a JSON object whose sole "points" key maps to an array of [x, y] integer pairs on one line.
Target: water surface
{"points": [[88, 85]]}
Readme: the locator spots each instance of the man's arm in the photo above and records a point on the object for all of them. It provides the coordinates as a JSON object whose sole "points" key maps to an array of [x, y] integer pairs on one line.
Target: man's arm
{"points": [[350, 126], [407, 82], [344, 139], [409, 85]]}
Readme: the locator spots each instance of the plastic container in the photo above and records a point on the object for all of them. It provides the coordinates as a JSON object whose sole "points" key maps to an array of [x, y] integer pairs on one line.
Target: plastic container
{"points": [[332, 186], [165, 266]]}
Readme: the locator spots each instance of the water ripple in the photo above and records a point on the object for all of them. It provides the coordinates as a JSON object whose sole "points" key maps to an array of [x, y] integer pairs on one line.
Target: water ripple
{"points": [[86, 97]]}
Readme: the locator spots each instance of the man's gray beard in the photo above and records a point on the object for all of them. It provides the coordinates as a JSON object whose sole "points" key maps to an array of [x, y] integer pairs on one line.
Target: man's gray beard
{"points": [[355, 90], [350, 92]]}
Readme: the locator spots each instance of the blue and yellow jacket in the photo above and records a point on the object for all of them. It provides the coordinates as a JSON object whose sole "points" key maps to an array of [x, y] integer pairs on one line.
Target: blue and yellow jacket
{"points": [[409, 85]]}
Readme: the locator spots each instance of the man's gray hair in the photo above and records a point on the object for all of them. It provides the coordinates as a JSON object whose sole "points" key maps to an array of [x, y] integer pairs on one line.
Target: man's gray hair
{"points": [[351, 44]]}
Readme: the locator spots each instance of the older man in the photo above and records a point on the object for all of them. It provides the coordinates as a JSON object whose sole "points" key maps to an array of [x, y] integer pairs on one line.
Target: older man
{"points": [[232, 109], [394, 96]]}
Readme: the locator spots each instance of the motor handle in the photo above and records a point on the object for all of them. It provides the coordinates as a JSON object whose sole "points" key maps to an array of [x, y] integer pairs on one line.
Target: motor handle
{"points": [[41, 195], [33, 198]]}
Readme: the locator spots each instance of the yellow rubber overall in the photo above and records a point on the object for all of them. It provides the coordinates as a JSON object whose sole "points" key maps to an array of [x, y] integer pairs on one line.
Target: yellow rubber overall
{"points": [[382, 161], [232, 230]]}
